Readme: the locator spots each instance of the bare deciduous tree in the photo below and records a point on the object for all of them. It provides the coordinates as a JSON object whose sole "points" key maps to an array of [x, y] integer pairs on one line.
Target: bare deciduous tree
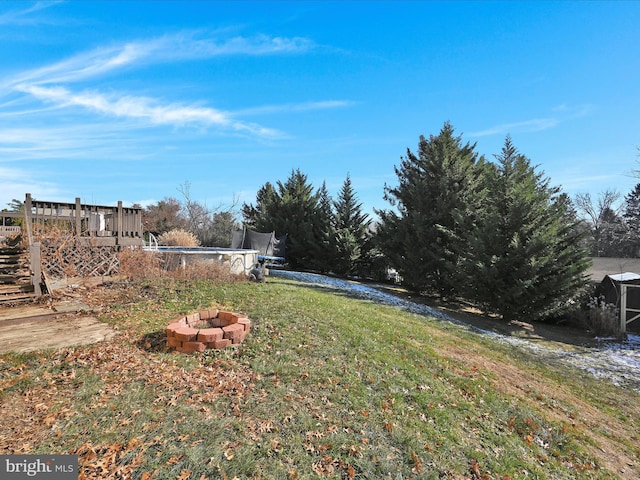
{"points": [[603, 217]]}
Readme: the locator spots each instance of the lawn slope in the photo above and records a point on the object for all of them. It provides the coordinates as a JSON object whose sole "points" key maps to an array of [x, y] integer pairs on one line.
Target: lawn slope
{"points": [[325, 386]]}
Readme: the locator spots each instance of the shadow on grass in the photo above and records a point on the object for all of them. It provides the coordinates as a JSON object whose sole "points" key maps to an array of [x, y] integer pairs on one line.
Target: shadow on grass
{"points": [[154, 342]]}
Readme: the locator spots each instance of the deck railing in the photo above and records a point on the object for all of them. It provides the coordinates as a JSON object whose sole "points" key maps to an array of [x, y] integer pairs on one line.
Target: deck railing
{"points": [[102, 225], [9, 231]]}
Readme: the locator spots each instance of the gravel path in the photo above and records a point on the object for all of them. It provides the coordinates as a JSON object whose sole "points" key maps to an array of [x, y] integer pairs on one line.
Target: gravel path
{"points": [[619, 362]]}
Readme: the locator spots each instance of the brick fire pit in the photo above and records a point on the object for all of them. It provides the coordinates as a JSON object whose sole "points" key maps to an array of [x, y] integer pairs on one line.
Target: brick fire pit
{"points": [[207, 329]]}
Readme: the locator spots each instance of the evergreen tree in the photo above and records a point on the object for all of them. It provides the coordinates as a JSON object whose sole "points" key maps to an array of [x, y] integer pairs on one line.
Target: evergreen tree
{"points": [[422, 237], [220, 229], [324, 248], [351, 226], [290, 208], [524, 257], [256, 217], [632, 219]]}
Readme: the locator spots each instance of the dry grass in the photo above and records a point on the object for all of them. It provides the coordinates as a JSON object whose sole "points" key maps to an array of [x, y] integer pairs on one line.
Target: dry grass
{"points": [[178, 238], [139, 265]]}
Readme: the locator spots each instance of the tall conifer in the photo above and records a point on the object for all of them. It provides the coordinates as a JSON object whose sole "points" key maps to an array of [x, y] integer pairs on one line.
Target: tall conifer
{"points": [[350, 225], [524, 258], [421, 236]]}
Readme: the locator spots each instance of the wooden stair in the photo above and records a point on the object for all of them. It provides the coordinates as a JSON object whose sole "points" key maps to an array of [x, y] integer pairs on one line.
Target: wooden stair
{"points": [[15, 277]]}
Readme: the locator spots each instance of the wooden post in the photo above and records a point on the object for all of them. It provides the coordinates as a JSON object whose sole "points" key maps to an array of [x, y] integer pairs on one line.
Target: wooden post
{"points": [[139, 226], [623, 308], [36, 268], [27, 217], [120, 226], [78, 217]]}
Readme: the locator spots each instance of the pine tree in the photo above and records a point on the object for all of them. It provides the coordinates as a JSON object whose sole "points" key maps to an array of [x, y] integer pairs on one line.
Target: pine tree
{"points": [[257, 217], [524, 258], [324, 248], [422, 237], [350, 226], [632, 219], [290, 208]]}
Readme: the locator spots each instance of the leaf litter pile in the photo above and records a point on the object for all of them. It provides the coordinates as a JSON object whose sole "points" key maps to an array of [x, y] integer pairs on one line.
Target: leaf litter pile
{"points": [[319, 397]]}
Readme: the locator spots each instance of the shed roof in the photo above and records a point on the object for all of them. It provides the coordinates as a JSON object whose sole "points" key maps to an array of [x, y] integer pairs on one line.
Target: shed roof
{"points": [[624, 277], [603, 266]]}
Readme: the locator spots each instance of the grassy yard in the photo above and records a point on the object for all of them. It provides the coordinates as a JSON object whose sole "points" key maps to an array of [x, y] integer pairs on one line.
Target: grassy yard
{"points": [[324, 386]]}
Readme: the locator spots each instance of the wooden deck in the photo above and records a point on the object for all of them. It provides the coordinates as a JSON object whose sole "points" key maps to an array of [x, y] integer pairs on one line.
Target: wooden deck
{"points": [[62, 239], [33, 327]]}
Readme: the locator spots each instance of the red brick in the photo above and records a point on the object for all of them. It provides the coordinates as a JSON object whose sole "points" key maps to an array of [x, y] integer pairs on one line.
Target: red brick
{"points": [[232, 330], [225, 342], [193, 319], [246, 323], [186, 334], [190, 347], [239, 338], [208, 314], [210, 334], [173, 342], [222, 322], [171, 329], [229, 317]]}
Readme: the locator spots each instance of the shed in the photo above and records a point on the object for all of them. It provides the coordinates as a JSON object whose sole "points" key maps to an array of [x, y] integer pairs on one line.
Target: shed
{"points": [[610, 288]]}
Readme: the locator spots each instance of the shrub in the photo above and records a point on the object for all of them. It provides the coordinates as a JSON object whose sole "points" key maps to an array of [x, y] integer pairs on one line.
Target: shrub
{"points": [[178, 238], [138, 265], [602, 317], [595, 314]]}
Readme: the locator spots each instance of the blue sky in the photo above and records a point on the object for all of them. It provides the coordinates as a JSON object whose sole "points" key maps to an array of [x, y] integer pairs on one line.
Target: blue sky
{"points": [[130, 101]]}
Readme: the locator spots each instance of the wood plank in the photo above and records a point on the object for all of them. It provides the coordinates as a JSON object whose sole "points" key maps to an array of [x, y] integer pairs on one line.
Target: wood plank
{"points": [[10, 299], [24, 285], [27, 311], [11, 278], [55, 332]]}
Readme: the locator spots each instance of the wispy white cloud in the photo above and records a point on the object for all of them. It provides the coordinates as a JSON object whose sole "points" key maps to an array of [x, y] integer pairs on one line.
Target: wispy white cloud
{"points": [[562, 113], [168, 48], [189, 46], [17, 181], [145, 109], [51, 83], [534, 125], [87, 65], [73, 141], [295, 107], [22, 17]]}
